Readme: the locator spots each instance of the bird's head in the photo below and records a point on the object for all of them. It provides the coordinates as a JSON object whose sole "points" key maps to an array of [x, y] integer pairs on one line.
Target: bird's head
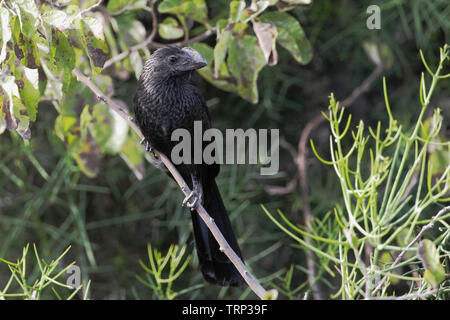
{"points": [[173, 61]]}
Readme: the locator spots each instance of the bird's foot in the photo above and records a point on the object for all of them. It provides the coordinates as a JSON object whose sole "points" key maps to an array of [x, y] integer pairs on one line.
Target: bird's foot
{"points": [[192, 200], [146, 143]]}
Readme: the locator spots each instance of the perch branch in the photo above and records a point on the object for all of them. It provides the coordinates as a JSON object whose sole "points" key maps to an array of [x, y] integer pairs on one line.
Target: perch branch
{"points": [[225, 247]]}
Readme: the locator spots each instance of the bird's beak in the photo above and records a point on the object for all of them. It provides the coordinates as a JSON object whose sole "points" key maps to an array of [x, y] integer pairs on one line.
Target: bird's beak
{"points": [[194, 59]]}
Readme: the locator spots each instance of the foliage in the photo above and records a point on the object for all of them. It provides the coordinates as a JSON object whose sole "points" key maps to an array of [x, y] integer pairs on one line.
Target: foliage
{"points": [[19, 284], [108, 219], [383, 198], [154, 278], [41, 46]]}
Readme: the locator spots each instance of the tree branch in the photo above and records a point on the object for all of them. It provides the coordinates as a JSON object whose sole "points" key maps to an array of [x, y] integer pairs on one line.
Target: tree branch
{"points": [[224, 246]]}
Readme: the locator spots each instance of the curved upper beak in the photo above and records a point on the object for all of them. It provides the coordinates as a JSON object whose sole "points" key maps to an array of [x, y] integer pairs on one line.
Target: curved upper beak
{"points": [[194, 60]]}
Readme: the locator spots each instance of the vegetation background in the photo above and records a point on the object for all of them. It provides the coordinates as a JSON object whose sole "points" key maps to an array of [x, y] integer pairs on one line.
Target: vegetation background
{"points": [[69, 185]]}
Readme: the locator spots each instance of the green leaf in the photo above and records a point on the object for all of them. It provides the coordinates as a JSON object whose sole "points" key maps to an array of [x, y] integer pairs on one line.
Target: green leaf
{"points": [[170, 29], [221, 24], [240, 28], [290, 35], [435, 272], [99, 125], [245, 60], [133, 155], [62, 53], [220, 51], [119, 133], [108, 129], [62, 58], [192, 9], [236, 9], [224, 82], [116, 7], [27, 81], [29, 16]]}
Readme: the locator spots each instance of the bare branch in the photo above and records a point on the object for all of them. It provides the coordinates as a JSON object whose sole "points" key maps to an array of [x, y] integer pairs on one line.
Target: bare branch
{"points": [[225, 247]]}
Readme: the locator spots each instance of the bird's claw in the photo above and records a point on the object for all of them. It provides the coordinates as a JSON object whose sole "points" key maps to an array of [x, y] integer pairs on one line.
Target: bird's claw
{"points": [[191, 205], [148, 147]]}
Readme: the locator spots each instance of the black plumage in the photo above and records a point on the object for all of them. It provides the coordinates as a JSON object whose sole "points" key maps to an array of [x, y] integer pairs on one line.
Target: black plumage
{"points": [[165, 100]]}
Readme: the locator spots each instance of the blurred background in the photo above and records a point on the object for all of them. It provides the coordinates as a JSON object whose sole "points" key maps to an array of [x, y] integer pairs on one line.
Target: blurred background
{"points": [[109, 219]]}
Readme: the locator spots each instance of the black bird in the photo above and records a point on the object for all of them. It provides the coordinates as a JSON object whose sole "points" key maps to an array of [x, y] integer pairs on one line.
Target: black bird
{"points": [[166, 100]]}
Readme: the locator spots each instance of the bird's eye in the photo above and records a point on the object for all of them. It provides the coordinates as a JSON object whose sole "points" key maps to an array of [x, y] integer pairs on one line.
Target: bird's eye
{"points": [[172, 59]]}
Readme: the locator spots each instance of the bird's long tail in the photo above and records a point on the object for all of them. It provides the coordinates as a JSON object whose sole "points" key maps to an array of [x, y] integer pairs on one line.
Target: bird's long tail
{"points": [[215, 265]]}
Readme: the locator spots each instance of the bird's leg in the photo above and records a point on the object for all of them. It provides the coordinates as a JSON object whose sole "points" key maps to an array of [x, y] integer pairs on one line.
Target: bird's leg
{"points": [[146, 143], [155, 160], [196, 195]]}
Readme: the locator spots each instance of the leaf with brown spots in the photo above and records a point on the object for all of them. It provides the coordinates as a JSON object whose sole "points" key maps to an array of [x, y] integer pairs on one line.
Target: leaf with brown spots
{"points": [[245, 60], [95, 45]]}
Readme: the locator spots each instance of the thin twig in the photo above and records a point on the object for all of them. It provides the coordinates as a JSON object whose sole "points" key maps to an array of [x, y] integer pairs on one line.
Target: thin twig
{"points": [[410, 296], [419, 235], [90, 8], [200, 37], [225, 247], [302, 164], [147, 42]]}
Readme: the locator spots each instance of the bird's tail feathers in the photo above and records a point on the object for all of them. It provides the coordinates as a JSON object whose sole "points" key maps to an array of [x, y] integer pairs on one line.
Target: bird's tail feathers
{"points": [[215, 265]]}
